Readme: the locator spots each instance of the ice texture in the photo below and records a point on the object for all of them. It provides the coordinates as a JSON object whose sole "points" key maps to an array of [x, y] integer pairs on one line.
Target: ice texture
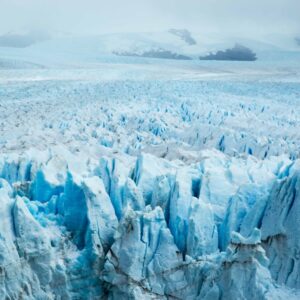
{"points": [[136, 179], [163, 239]]}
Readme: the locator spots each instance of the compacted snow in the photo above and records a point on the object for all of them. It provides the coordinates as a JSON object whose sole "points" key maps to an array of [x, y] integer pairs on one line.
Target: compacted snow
{"points": [[133, 178]]}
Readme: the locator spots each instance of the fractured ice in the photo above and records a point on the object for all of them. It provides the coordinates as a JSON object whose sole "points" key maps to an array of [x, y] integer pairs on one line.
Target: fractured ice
{"points": [[133, 180]]}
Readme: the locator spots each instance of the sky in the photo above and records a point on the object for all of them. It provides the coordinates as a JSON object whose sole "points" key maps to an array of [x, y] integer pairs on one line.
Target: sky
{"points": [[86, 17]]}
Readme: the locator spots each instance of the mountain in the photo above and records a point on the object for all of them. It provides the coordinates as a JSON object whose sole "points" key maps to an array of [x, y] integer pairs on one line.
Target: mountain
{"points": [[237, 53], [185, 35], [155, 53], [22, 40]]}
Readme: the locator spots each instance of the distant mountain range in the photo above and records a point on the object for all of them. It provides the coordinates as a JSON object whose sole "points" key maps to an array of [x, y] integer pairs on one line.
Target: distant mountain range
{"points": [[237, 53], [155, 53], [22, 40], [185, 35], [172, 44]]}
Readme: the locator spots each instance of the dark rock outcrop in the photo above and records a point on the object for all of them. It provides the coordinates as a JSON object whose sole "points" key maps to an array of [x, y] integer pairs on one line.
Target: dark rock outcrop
{"points": [[237, 53]]}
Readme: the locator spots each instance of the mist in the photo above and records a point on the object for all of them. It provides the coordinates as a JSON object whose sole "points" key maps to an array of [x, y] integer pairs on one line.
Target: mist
{"points": [[89, 17]]}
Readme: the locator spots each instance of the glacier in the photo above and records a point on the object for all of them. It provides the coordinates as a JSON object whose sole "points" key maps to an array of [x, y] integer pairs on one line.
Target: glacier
{"points": [[150, 228], [129, 178]]}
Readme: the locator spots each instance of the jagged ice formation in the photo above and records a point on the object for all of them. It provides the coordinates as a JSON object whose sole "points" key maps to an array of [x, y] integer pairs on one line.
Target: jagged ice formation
{"points": [[135, 179]]}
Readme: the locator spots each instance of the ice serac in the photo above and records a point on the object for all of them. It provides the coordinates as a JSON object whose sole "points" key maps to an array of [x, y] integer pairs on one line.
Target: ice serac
{"points": [[9, 258], [115, 175], [132, 196], [102, 221], [244, 212], [140, 260], [242, 272], [49, 179], [202, 233], [75, 210], [88, 213], [28, 266], [281, 228], [149, 228], [149, 172]]}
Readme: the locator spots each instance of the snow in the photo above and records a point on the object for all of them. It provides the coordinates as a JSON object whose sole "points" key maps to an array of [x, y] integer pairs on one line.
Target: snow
{"points": [[134, 178]]}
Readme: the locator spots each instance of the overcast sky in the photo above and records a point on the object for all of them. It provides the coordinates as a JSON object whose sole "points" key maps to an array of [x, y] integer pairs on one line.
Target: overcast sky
{"points": [[231, 17]]}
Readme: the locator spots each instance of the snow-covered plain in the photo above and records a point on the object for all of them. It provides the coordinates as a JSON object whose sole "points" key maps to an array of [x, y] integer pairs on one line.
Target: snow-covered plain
{"points": [[135, 178]]}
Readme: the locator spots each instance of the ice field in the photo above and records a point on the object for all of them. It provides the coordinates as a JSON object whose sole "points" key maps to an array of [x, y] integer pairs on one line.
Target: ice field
{"points": [[139, 178]]}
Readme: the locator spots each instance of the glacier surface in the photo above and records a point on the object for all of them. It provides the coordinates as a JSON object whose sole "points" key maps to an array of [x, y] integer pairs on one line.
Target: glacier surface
{"points": [[127, 178]]}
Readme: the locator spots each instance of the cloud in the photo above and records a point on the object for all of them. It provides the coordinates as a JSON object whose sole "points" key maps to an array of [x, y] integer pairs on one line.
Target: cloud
{"points": [[244, 17]]}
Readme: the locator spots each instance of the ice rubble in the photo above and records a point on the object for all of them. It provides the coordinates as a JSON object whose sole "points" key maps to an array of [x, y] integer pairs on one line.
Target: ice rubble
{"points": [[244, 123], [148, 228]]}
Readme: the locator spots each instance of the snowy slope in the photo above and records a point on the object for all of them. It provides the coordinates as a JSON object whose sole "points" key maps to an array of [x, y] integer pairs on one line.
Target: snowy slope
{"points": [[137, 178], [63, 48]]}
